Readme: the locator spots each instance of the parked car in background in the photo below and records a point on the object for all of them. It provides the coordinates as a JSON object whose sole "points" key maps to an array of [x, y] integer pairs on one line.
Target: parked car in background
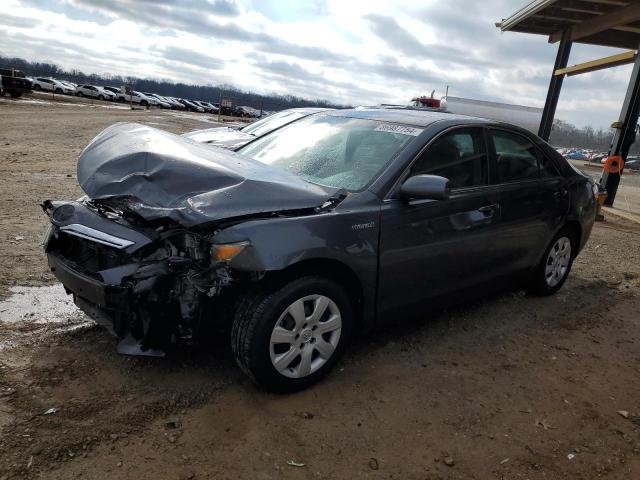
{"points": [[160, 101], [93, 91], [109, 95], [248, 112], [632, 163], [115, 90], [14, 82], [134, 97], [235, 137], [190, 106], [51, 85], [212, 107], [338, 222], [72, 86], [208, 108], [175, 104], [576, 155]]}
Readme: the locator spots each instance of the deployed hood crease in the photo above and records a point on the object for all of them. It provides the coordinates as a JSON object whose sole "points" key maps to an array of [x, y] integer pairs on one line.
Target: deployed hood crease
{"points": [[162, 175]]}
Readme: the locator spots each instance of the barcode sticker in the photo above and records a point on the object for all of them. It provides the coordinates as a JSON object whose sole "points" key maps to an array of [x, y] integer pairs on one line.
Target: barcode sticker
{"points": [[402, 129]]}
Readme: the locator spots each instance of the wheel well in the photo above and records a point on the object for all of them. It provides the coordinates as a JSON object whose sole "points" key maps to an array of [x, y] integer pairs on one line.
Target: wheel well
{"points": [[332, 269], [575, 228]]}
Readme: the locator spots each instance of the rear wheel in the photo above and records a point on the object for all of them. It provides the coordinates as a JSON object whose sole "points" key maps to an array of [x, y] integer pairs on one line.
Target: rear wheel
{"points": [[80, 94], [556, 264], [37, 87], [100, 97], [288, 338], [59, 91]]}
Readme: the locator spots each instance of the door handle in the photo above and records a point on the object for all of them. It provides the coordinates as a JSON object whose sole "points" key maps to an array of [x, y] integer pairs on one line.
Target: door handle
{"points": [[560, 193], [489, 209]]}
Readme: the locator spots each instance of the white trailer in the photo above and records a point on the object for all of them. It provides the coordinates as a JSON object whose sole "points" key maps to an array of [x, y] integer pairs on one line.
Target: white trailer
{"points": [[525, 117]]}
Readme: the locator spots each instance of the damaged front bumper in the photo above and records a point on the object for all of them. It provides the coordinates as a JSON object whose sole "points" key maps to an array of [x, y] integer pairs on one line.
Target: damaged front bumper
{"points": [[151, 287]]}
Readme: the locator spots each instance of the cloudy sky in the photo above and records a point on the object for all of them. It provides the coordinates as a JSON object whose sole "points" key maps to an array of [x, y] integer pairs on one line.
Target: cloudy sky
{"points": [[351, 52]]}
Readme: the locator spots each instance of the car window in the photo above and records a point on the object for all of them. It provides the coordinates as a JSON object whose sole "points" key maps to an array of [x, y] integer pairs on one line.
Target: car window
{"points": [[547, 167], [460, 156], [516, 157], [336, 151]]}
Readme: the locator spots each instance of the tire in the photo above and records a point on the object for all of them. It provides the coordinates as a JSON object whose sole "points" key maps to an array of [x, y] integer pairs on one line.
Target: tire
{"points": [[100, 97], [15, 94], [80, 94], [555, 265], [37, 87], [144, 103], [120, 100], [59, 91], [265, 313]]}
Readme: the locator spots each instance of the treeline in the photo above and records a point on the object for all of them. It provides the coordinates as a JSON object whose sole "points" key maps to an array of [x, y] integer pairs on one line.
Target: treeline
{"points": [[208, 93], [564, 134]]}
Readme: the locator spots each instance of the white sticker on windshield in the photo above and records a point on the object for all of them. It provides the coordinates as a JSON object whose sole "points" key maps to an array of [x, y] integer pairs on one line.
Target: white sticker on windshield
{"points": [[402, 129]]}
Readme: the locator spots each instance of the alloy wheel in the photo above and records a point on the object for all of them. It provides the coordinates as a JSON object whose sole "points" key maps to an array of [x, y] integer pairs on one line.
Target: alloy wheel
{"points": [[305, 336], [558, 261]]}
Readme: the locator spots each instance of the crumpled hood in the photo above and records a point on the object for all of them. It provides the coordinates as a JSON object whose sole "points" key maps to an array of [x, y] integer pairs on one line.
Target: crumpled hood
{"points": [[161, 175]]}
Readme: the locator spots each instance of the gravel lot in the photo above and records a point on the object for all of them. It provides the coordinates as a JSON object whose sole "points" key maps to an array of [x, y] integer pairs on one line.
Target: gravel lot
{"points": [[513, 387]]}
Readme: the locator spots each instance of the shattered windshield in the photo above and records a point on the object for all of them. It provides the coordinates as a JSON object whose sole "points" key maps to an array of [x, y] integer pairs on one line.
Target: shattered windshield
{"points": [[335, 151], [270, 123]]}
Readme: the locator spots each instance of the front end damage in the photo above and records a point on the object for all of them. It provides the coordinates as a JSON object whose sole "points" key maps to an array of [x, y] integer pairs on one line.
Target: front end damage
{"points": [[138, 253], [152, 287]]}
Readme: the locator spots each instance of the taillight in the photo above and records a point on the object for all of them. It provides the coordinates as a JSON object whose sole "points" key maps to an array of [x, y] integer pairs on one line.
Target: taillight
{"points": [[595, 190]]}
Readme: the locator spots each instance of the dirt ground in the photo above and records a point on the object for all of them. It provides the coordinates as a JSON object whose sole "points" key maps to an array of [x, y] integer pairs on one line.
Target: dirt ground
{"points": [[513, 387]]}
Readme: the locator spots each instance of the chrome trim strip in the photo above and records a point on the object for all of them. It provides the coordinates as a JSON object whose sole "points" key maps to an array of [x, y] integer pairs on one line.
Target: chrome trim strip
{"points": [[97, 236]]}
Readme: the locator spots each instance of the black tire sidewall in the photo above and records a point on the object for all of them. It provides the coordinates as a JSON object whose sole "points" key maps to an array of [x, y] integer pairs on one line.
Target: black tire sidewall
{"points": [[540, 285], [259, 360]]}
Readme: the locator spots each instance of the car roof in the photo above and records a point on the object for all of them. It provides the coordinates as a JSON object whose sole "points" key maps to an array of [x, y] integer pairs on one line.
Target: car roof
{"points": [[416, 117], [307, 110]]}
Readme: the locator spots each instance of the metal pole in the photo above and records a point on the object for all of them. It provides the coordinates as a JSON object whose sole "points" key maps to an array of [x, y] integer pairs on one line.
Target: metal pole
{"points": [[624, 136], [219, 105], [555, 86]]}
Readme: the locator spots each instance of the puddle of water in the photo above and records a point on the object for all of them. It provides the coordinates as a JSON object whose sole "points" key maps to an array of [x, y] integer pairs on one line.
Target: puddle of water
{"points": [[48, 304]]}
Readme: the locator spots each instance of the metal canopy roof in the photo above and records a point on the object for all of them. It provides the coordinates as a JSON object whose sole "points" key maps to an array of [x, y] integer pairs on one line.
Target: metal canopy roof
{"points": [[609, 23]]}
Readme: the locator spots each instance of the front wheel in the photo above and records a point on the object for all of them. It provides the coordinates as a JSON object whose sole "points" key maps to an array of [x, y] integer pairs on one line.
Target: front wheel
{"points": [[556, 264], [288, 338]]}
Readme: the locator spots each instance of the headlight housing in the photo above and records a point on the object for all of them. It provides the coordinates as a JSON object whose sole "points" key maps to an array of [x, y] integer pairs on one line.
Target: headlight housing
{"points": [[225, 252]]}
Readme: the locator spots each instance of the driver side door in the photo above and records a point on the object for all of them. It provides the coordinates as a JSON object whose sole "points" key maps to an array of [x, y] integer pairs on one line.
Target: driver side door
{"points": [[432, 247]]}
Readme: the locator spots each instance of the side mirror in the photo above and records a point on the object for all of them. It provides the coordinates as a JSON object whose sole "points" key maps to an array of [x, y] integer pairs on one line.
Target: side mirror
{"points": [[432, 187]]}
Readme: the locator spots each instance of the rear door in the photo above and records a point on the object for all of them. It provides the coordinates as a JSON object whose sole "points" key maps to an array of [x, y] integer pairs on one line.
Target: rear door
{"points": [[533, 197], [432, 247]]}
